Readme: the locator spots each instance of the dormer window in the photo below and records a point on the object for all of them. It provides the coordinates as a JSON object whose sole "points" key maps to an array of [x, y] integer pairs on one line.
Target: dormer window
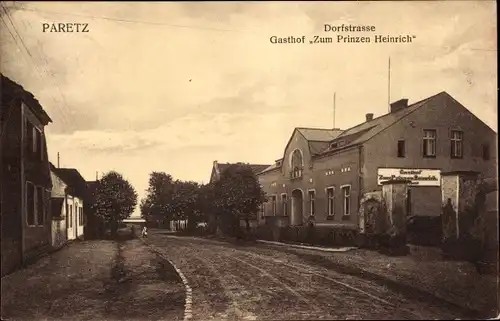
{"points": [[338, 144]]}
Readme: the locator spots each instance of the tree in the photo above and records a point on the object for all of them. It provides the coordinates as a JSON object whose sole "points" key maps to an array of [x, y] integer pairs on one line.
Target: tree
{"points": [[115, 200], [238, 195], [146, 208], [208, 206], [186, 202], [157, 203]]}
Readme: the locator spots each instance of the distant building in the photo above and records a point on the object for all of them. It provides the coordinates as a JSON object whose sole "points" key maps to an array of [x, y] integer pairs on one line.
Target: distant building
{"points": [[178, 225], [68, 212], [157, 221], [134, 220], [25, 177], [59, 213], [324, 173], [218, 168], [136, 223]]}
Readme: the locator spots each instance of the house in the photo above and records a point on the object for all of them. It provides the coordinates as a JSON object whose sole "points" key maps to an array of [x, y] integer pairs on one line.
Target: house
{"points": [[58, 208], [25, 177], [135, 223], [71, 207], [178, 225], [324, 173], [67, 200], [217, 169]]}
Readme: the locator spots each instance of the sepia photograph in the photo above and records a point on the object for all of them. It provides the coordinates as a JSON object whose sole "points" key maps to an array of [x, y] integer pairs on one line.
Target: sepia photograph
{"points": [[249, 160]]}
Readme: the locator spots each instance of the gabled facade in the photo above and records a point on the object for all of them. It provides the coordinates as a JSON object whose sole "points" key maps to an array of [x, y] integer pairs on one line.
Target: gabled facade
{"points": [[58, 208], [325, 184], [72, 205], [25, 176]]}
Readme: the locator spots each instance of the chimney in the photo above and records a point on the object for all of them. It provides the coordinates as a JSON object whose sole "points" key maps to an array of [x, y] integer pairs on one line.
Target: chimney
{"points": [[399, 105], [215, 163], [369, 117]]}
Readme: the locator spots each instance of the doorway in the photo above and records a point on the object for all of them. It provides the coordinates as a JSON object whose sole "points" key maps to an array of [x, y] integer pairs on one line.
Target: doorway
{"points": [[297, 207], [408, 202]]}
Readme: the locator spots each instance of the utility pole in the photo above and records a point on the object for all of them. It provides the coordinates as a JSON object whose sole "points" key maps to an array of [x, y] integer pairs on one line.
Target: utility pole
{"points": [[334, 100], [96, 176], [389, 87], [57, 159]]}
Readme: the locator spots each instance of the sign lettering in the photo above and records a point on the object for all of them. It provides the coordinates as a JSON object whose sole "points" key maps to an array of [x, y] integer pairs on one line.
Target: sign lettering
{"points": [[415, 177]]}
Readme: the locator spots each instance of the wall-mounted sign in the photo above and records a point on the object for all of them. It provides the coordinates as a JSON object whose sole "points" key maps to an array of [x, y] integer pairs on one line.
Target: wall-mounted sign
{"points": [[416, 177]]}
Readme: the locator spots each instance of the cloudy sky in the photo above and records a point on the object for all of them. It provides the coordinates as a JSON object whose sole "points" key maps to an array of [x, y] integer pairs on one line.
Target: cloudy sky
{"points": [[174, 86]]}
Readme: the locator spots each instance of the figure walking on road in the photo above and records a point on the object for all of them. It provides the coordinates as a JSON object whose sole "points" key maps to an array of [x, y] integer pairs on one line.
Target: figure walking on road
{"points": [[144, 232]]}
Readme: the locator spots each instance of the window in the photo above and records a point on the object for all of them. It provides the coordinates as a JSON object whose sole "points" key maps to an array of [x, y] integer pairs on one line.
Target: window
{"points": [[330, 199], [429, 143], [34, 141], [273, 202], [456, 144], [262, 210], [401, 148], [284, 205], [29, 138], [486, 152], [36, 138], [337, 144], [311, 202], [346, 192], [30, 204], [39, 148], [40, 202]]}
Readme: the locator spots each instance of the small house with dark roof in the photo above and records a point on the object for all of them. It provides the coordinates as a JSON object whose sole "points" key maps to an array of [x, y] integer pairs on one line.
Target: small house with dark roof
{"points": [[324, 173], [218, 168], [25, 176], [67, 200]]}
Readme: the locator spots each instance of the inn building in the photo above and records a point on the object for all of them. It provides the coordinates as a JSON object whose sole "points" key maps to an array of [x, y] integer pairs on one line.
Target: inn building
{"points": [[324, 173]]}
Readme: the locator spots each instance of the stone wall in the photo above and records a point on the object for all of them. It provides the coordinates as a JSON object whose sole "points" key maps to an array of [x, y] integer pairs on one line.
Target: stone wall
{"points": [[470, 217]]}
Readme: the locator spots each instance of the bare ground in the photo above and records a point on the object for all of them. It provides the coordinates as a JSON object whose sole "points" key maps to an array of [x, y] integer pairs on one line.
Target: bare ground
{"points": [[95, 280], [260, 282]]}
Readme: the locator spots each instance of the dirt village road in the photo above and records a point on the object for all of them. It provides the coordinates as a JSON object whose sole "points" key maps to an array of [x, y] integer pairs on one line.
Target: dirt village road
{"points": [[133, 280]]}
